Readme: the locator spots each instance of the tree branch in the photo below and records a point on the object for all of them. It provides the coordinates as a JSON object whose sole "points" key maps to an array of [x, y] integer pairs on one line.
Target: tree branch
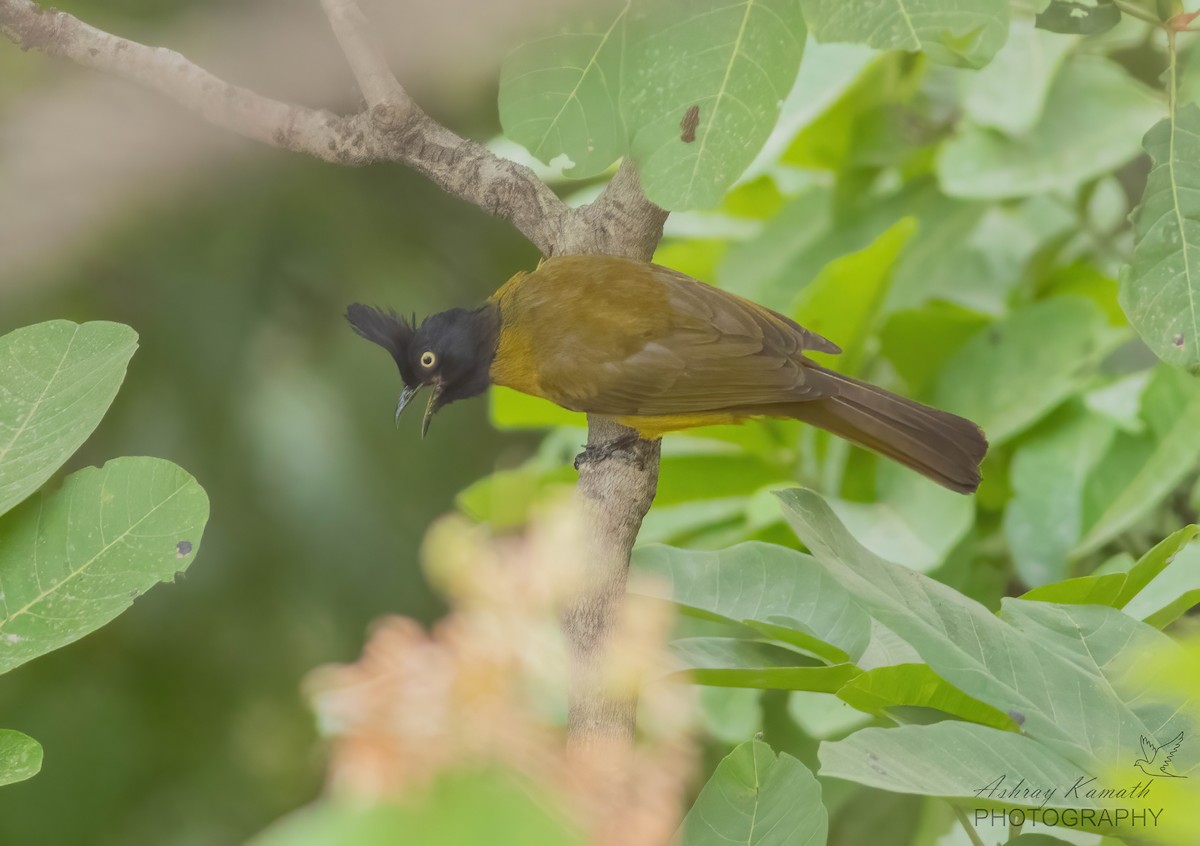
{"points": [[615, 493], [367, 60], [317, 133], [390, 131]]}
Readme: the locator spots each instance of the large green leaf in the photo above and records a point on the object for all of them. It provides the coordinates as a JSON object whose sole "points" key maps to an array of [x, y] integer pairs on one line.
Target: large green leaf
{"points": [[1014, 372], [956, 32], [1045, 517], [973, 254], [894, 691], [845, 301], [1053, 668], [20, 756], [72, 560], [559, 95], [757, 799], [955, 760], [1160, 289], [1010, 93], [1140, 470], [917, 342], [773, 589], [1091, 124], [703, 84], [913, 521], [736, 662], [56, 381]]}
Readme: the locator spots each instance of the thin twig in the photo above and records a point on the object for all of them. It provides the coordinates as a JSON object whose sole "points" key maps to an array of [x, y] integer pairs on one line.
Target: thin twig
{"points": [[366, 57], [976, 840], [1134, 12]]}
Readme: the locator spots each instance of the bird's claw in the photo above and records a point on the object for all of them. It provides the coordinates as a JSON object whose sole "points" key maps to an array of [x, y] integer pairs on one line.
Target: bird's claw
{"points": [[624, 448]]}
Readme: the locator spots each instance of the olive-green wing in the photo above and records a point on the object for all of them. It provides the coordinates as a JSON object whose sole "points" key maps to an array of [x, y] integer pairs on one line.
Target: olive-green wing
{"points": [[639, 339]]}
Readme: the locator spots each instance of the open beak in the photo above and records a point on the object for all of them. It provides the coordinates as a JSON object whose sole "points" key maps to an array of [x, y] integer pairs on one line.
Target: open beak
{"points": [[430, 407], [405, 398]]}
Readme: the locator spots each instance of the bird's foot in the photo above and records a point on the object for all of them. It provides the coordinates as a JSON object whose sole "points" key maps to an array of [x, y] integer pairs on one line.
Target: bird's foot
{"points": [[627, 448]]}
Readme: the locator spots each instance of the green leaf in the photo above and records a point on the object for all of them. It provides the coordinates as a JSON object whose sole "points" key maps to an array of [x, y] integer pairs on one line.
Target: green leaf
{"points": [[506, 498], [757, 799], [1079, 17], [56, 381], [914, 522], [827, 72], [1086, 590], [1160, 289], [1139, 471], [457, 810], [686, 478], [559, 96], [20, 756], [1038, 662], [509, 409], [844, 302], [730, 714], [1045, 517], [888, 691], [1172, 592], [917, 342], [1014, 372], [822, 715], [953, 760], [688, 521], [1010, 93], [703, 86], [810, 232], [71, 561], [1173, 610], [1090, 126], [735, 662], [762, 268], [773, 589], [1154, 562], [954, 32]]}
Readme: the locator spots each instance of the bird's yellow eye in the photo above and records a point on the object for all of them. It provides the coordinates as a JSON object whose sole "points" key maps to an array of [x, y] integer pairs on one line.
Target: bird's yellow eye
{"points": [[428, 359]]}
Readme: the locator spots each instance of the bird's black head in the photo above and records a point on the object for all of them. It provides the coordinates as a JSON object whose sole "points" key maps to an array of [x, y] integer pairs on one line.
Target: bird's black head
{"points": [[450, 352]]}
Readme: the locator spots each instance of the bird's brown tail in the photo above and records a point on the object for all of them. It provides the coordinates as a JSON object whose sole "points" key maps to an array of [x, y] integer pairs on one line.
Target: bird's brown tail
{"points": [[941, 446]]}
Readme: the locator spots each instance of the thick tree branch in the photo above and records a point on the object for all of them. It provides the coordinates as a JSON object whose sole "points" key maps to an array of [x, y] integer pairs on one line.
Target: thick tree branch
{"points": [[315, 132], [388, 132], [615, 493]]}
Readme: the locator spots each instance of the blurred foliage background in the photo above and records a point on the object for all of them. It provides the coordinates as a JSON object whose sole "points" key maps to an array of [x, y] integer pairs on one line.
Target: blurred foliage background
{"points": [[182, 723], [959, 232]]}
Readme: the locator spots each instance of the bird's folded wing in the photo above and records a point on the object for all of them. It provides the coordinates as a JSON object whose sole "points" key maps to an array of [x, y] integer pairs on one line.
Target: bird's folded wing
{"points": [[691, 348]]}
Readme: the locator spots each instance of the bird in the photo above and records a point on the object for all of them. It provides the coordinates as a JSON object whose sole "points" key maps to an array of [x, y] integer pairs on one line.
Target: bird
{"points": [[659, 352], [1159, 769]]}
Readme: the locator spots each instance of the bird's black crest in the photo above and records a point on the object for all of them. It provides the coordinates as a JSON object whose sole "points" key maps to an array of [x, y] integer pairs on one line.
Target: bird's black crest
{"points": [[388, 329]]}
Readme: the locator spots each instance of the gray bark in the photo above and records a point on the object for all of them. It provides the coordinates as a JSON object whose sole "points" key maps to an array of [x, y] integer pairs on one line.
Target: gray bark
{"points": [[615, 490]]}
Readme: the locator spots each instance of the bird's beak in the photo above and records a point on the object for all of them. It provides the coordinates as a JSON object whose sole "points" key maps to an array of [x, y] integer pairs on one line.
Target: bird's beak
{"points": [[405, 398], [431, 407]]}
